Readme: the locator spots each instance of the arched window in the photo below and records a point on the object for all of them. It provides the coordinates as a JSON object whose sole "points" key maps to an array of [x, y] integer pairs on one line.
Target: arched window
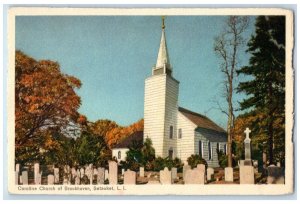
{"points": [[179, 133], [201, 149], [171, 132], [119, 154], [209, 151]]}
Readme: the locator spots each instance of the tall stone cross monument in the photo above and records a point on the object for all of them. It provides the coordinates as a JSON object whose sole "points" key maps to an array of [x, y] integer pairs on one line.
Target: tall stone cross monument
{"points": [[247, 142]]}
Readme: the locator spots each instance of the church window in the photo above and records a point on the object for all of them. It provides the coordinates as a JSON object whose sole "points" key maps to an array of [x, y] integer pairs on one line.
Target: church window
{"points": [[179, 133], [225, 149], [119, 154], [209, 151], [218, 146], [171, 132], [201, 149]]}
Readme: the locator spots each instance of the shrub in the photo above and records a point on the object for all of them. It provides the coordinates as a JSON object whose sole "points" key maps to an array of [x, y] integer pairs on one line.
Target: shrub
{"points": [[196, 159], [223, 160]]}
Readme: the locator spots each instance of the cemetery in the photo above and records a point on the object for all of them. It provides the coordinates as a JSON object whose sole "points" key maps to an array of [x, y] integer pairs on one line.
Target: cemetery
{"points": [[247, 172]]}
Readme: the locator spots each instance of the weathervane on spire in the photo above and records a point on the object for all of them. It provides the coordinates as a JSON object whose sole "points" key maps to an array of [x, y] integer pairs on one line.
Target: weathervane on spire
{"points": [[163, 22]]}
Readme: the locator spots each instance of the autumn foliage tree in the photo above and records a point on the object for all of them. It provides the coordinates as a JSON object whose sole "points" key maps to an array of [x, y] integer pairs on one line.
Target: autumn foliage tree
{"points": [[45, 102]]}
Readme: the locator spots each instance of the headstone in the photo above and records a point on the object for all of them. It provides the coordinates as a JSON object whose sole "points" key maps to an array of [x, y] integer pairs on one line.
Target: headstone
{"points": [[113, 172], [229, 174], [36, 172], [81, 172], [142, 172], [66, 181], [100, 176], [255, 165], [25, 177], [122, 171], [241, 162], [247, 143], [264, 160], [18, 168], [165, 176], [20, 177], [56, 175], [38, 180], [210, 173], [173, 174], [278, 164], [106, 174], [275, 175], [246, 175], [194, 176], [50, 179], [95, 171], [16, 177], [129, 177], [73, 172], [77, 180], [184, 169]]}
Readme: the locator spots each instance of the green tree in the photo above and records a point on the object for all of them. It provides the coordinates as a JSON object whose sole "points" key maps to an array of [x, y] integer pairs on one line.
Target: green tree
{"points": [[91, 149], [148, 151], [266, 85]]}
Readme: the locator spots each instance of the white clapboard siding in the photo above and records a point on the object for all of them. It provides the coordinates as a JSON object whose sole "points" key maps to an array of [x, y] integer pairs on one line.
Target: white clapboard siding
{"points": [[161, 96], [186, 143]]}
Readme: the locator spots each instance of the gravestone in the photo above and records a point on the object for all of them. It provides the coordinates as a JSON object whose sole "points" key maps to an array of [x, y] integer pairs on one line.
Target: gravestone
{"points": [[81, 172], [165, 176], [247, 143], [184, 169], [122, 171], [210, 173], [246, 175], [25, 177], [173, 174], [95, 171], [113, 172], [229, 174], [18, 168], [50, 179], [255, 165], [142, 172], [36, 172], [264, 160], [73, 172], [56, 175], [16, 177], [20, 177], [100, 176], [194, 176], [77, 180], [106, 174], [129, 177], [38, 179], [275, 175]]}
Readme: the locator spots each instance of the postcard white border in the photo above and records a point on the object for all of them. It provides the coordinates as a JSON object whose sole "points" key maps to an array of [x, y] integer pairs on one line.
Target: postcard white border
{"points": [[222, 189]]}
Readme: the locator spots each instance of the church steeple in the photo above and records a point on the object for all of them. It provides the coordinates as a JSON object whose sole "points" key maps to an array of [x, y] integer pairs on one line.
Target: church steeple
{"points": [[163, 62]]}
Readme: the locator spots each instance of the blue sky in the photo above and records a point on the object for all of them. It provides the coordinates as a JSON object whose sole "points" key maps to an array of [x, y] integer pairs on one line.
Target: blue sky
{"points": [[113, 55]]}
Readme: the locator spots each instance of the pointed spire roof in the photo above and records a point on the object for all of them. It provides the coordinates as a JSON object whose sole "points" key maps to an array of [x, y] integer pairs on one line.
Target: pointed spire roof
{"points": [[163, 56]]}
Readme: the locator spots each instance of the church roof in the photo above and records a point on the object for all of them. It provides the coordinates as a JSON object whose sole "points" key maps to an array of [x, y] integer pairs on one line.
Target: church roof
{"points": [[163, 56], [131, 139], [200, 120]]}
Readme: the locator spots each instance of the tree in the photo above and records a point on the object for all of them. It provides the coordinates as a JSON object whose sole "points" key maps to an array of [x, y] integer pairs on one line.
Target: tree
{"points": [[45, 102], [266, 87], [226, 47], [91, 149]]}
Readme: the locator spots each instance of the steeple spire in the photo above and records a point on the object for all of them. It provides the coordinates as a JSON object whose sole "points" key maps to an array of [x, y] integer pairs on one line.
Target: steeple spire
{"points": [[163, 60]]}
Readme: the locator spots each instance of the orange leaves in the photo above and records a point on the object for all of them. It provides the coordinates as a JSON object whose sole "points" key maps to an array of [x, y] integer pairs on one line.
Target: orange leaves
{"points": [[44, 98]]}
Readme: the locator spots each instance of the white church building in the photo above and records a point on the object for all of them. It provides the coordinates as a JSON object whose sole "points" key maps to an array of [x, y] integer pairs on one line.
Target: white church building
{"points": [[175, 131]]}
